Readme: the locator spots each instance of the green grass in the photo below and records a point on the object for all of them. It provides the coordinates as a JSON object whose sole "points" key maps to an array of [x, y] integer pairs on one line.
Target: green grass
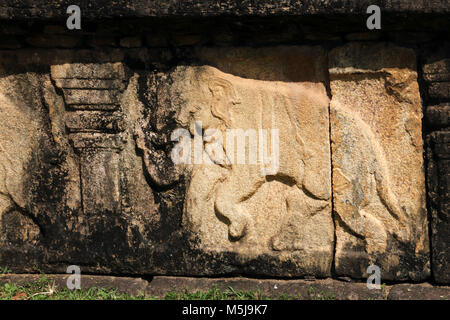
{"points": [[215, 294], [4, 270], [314, 295], [45, 289]]}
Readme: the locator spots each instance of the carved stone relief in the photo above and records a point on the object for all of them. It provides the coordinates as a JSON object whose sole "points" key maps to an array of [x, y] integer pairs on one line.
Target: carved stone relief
{"points": [[378, 174], [94, 120], [231, 206], [246, 159]]}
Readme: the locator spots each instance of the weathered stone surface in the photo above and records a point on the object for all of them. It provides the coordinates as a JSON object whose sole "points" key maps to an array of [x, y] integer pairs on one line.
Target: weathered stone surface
{"points": [[94, 107], [64, 197], [269, 288], [438, 180], [90, 84], [21, 116], [86, 170], [418, 292], [89, 140], [438, 116], [100, 181], [116, 203], [91, 96], [281, 63], [130, 42], [89, 71], [363, 36], [439, 90], [378, 173], [138, 8], [437, 71], [327, 289], [100, 40], [128, 285], [20, 125], [38, 171], [55, 41], [8, 42], [94, 121], [280, 208]]}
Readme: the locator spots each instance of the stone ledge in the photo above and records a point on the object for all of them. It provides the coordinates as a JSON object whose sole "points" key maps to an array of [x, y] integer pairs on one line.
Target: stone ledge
{"points": [[419, 292], [41, 10], [438, 116], [128, 285], [271, 288], [299, 289]]}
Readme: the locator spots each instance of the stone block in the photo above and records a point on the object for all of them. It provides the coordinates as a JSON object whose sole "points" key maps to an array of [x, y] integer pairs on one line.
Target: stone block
{"points": [[265, 208], [377, 157]]}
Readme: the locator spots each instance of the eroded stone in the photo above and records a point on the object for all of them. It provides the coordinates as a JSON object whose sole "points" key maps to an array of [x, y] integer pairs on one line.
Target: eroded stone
{"points": [[378, 173], [91, 96], [232, 207], [88, 71], [94, 121], [438, 179]]}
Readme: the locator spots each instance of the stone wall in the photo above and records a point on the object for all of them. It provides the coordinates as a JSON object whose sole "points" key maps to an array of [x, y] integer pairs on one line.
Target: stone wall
{"points": [[87, 175]]}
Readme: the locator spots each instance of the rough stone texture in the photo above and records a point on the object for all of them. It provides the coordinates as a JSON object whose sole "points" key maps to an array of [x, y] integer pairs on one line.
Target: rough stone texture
{"points": [[61, 196], [18, 9], [131, 286], [439, 90], [378, 172], [327, 289], [299, 289], [130, 42], [39, 173], [94, 121], [92, 177], [438, 116], [124, 198], [89, 71], [418, 292], [89, 84], [52, 41], [438, 155], [436, 75], [437, 71], [233, 206]]}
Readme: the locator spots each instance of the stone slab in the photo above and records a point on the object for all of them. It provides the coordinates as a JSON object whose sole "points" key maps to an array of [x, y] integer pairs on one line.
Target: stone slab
{"points": [[90, 84], [88, 71], [127, 285], [439, 90], [88, 96], [265, 208], [377, 155], [326, 289], [437, 71], [418, 292], [438, 180], [94, 121], [161, 8], [100, 182], [438, 116]]}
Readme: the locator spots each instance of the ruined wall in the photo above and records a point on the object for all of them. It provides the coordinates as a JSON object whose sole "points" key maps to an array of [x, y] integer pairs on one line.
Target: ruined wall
{"points": [[87, 170]]}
